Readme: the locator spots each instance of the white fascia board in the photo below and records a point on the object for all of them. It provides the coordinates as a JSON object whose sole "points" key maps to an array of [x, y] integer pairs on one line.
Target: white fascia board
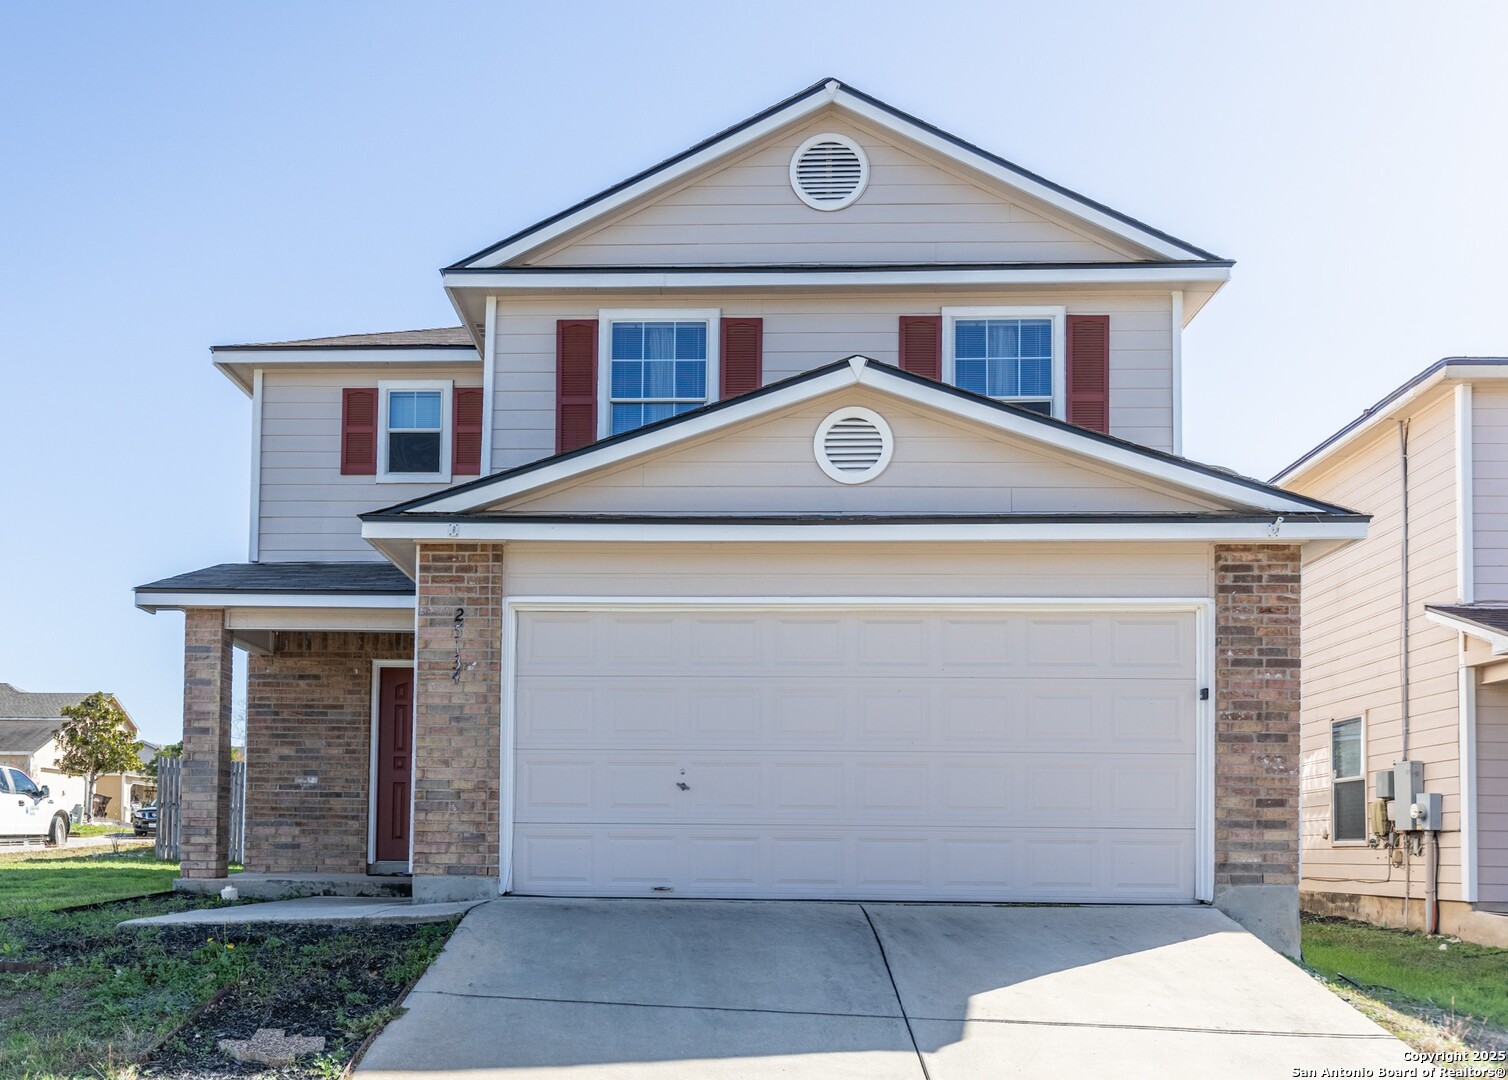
{"points": [[658, 179], [237, 365], [1498, 641], [1011, 178], [153, 601], [619, 281], [486, 495], [715, 531]]}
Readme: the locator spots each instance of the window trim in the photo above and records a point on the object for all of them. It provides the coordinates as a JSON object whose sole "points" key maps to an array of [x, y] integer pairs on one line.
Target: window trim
{"points": [[605, 319], [447, 432], [1361, 721], [1059, 317]]}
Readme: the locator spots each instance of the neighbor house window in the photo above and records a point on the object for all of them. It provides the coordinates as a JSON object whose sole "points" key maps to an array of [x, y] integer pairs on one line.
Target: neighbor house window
{"points": [[414, 444], [658, 367], [1011, 355], [1348, 784]]}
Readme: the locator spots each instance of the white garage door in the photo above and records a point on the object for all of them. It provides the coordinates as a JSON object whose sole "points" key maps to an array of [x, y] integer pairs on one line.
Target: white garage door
{"points": [[851, 754]]}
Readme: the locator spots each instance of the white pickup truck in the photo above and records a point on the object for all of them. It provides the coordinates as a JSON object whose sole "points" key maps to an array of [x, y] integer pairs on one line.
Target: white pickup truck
{"points": [[28, 812]]}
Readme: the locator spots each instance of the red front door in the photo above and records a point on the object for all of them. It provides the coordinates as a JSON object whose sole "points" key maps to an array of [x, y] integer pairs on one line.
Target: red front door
{"points": [[395, 731]]}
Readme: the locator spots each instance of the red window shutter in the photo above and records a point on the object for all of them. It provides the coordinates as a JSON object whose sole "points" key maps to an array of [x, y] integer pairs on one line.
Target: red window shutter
{"points": [[358, 432], [921, 345], [575, 383], [466, 432], [742, 356], [1089, 371]]}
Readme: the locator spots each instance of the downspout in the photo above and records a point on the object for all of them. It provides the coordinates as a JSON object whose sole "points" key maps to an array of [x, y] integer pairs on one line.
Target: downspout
{"points": [[1403, 634]]}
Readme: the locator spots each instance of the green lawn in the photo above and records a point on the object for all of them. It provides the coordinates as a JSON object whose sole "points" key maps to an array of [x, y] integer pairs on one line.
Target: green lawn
{"points": [[1461, 978], [44, 880], [109, 999]]}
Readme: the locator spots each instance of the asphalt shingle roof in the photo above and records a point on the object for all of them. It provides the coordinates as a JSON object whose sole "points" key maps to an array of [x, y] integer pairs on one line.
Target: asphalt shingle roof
{"points": [[18, 704], [289, 577], [27, 736], [437, 337], [1494, 617]]}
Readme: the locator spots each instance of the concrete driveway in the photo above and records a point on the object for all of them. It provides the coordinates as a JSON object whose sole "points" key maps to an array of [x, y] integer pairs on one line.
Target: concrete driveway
{"points": [[631, 989]]}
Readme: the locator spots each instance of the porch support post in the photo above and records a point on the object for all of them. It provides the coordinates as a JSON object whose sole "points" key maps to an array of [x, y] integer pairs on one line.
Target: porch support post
{"points": [[205, 803]]}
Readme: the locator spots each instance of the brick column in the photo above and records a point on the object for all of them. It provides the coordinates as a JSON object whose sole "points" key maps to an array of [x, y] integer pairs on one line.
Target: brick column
{"points": [[457, 721], [1257, 738], [205, 805]]}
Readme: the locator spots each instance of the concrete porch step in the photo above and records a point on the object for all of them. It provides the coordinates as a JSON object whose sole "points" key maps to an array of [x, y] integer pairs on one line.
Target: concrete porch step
{"points": [[284, 886]]}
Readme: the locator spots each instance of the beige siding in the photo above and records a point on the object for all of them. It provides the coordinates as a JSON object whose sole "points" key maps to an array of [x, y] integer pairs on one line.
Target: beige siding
{"points": [[1351, 623], [1489, 453], [916, 208], [938, 466], [1492, 794], [870, 569], [308, 509], [806, 331]]}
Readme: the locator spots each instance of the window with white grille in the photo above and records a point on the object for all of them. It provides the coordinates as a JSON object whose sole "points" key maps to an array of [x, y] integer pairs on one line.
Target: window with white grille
{"points": [[853, 445], [829, 171]]}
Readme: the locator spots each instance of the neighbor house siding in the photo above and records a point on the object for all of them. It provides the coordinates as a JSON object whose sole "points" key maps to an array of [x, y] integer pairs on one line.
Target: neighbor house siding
{"points": [[1351, 620], [938, 466], [308, 510], [917, 207], [1492, 794], [1489, 461], [804, 331]]}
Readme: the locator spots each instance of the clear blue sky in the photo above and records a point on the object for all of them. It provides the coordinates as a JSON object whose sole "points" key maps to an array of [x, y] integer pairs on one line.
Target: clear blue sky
{"points": [[180, 175]]}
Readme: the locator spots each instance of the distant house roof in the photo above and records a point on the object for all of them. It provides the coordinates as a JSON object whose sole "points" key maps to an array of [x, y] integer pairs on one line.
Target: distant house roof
{"points": [[27, 736], [19, 704], [443, 337]]}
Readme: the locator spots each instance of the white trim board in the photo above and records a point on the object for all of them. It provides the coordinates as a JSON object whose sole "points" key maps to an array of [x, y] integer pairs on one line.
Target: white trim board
{"points": [[152, 600], [237, 365], [254, 527], [859, 371], [628, 280], [805, 105], [716, 532], [1465, 497], [1203, 609]]}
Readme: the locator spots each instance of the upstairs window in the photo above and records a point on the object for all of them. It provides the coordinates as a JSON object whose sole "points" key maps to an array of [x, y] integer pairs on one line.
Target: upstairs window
{"points": [[1348, 783], [657, 367], [414, 443], [1011, 355]]}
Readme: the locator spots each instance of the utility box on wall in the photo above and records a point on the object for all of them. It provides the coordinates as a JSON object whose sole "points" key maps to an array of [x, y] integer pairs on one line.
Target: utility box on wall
{"points": [[1409, 796]]}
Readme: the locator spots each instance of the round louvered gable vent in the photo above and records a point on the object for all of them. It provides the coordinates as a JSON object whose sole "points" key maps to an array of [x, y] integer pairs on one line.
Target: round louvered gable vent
{"points": [[829, 171], [853, 445]]}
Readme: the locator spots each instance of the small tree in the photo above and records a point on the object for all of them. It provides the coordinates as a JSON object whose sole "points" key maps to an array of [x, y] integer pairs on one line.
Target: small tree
{"points": [[97, 741], [171, 750]]}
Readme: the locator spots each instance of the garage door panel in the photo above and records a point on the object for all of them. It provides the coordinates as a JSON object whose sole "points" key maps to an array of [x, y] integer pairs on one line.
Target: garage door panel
{"points": [[757, 712], [808, 862], [1030, 790], [963, 755]]}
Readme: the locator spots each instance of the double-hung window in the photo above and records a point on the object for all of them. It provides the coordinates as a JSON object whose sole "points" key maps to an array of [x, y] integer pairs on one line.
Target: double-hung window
{"points": [[1348, 782], [1013, 355], [414, 441], [659, 365]]}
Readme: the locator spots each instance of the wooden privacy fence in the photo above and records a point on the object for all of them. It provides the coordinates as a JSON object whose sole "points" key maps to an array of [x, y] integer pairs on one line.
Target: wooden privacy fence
{"points": [[170, 817]]}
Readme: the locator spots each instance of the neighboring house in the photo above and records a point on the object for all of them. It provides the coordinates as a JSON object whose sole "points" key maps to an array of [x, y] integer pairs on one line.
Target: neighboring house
{"points": [[1429, 462], [802, 517], [29, 724]]}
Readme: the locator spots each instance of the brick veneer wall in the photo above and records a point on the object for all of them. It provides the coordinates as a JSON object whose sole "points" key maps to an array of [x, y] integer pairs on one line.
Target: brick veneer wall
{"points": [[309, 713], [205, 806], [1257, 715], [457, 812]]}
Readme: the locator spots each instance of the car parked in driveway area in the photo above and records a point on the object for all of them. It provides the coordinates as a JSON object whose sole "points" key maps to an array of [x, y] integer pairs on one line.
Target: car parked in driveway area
{"points": [[28, 811], [144, 820]]}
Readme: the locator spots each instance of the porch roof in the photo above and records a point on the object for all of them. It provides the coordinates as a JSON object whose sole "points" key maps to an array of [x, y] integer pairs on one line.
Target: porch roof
{"points": [[277, 584]]}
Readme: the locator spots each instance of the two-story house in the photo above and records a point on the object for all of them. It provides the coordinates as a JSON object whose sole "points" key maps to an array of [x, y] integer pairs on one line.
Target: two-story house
{"points": [[1405, 650], [804, 516]]}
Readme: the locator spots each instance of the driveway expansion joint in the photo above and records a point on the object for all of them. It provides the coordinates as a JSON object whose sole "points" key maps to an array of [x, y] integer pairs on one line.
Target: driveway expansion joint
{"points": [[920, 1060]]}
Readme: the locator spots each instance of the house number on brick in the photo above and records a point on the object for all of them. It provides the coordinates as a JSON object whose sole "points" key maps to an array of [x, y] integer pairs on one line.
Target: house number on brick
{"points": [[460, 622]]}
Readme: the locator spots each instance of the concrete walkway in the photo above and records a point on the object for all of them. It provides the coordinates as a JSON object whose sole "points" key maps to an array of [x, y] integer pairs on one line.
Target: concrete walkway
{"points": [[712, 990], [313, 909]]}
